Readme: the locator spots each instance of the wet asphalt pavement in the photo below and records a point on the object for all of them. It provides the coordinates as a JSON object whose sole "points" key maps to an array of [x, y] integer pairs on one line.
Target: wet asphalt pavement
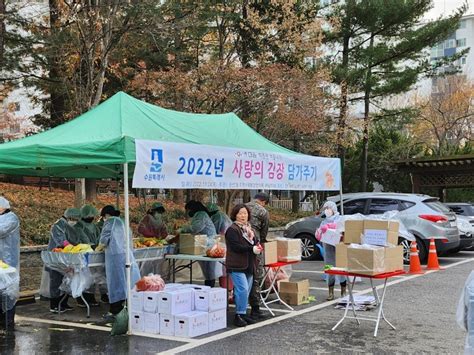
{"points": [[422, 308]]}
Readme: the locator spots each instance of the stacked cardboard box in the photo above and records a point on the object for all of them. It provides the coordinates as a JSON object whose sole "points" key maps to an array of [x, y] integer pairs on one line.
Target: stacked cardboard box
{"points": [[270, 252], [289, 249], [182, 310], [192, 244], [370, 247], [294, 293]]}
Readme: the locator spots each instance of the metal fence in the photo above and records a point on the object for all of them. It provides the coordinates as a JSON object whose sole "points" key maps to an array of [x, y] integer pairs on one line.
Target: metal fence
{"points": [[286, 204]]}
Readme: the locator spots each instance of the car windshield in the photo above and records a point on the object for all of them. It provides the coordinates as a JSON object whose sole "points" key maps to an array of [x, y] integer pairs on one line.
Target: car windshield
{"points": [[464, 210], [434, 204]]}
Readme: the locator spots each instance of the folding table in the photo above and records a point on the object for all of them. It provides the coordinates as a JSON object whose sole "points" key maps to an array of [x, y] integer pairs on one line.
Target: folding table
{"points": [[379, 300], [265, 293]]}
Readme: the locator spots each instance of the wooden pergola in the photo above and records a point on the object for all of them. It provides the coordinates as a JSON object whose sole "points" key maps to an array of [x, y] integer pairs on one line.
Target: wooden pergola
{"points": [[441, 173]]}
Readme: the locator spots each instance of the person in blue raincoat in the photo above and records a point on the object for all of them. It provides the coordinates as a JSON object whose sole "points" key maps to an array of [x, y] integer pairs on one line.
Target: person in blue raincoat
{"points": [[61, 231], [201, 223], [9, 254], [332, 216], [113, 240]]}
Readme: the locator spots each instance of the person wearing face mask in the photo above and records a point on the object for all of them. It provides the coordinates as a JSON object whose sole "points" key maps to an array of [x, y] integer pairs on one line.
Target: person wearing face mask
{"points": [[241, 262], [331, 216], [10, 254], [201, 223], [112, 238], [61, 231], [88, 233], [152, 224]]}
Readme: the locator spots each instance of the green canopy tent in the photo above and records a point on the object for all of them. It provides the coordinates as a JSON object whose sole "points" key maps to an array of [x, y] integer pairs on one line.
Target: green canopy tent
{"points": [[97, 143], [101, 142]]}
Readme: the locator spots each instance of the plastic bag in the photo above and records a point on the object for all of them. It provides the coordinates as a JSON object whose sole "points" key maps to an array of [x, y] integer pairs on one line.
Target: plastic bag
{"points": [[9, 288], [217, 250], [120, 325], [283, 274], [150, 283], [76, 283]]}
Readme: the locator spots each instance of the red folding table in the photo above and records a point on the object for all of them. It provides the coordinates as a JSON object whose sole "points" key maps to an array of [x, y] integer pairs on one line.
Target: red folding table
{"points": [[265, 293], [379, 300]]}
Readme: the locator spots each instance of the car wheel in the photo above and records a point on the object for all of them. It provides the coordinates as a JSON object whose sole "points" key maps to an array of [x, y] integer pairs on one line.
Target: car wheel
{"points": [[422, 252], [406, 249], [309, 250]]}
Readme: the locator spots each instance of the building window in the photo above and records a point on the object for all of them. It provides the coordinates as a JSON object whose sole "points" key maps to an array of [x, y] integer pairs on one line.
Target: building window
{"points": [[463, 60], [461, 42], [462, 24], [450, 43]]}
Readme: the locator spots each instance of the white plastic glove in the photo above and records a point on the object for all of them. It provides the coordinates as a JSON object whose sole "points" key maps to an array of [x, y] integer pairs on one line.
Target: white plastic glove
{"points": [[257, 250]]}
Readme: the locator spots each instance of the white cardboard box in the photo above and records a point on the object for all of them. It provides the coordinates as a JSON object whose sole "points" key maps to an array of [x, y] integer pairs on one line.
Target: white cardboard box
{"points": [[195, 288], [171, 286], [175, 301], [210, 300], [151, 323], [150, 301], [191, 324], [217, 320], [167, 324], [137, 321], [136, 301]]}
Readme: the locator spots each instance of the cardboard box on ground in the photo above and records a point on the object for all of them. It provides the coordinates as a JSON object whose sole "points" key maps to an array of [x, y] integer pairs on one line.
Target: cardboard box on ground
{"points": [[192, 244], [372, 259], [294, 293]]}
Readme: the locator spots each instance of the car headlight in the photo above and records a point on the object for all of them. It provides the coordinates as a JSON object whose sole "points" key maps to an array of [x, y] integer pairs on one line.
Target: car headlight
{"points": [[288, 225], [464, 227]]}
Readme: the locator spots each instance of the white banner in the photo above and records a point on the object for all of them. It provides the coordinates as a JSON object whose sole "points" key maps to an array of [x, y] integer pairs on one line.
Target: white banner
{"points": [[193, 166]]}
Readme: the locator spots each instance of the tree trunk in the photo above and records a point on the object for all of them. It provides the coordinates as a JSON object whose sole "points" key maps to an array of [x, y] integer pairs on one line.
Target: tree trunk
{"points": [[229, 200], [56, 92], [178, 196], [295, 197], [79, 193], [2, 31], [246, 196], [365, 138], [341, 125], [91, 190]]}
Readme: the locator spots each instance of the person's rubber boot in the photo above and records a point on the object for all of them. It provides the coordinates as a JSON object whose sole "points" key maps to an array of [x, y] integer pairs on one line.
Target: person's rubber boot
{"points": [[210, 283], [239, 321], [343, 290], [256, 313], [331, 294]]}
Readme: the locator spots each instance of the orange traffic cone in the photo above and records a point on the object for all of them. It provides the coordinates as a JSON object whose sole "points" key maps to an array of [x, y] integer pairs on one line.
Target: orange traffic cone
{"points": [[415, 265], [433, 263]]}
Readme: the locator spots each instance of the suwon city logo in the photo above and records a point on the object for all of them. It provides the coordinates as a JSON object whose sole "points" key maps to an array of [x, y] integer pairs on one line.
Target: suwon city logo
{"points": [[156, 166]]}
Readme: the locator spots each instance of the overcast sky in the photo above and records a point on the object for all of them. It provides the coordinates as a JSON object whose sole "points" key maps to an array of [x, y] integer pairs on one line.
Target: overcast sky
{"points": [[448, 6]]}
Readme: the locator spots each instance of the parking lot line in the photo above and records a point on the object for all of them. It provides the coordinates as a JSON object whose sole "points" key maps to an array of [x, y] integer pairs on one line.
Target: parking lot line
{"points": [[290, 315], [309, 271], [59, 322], [325, 289]]}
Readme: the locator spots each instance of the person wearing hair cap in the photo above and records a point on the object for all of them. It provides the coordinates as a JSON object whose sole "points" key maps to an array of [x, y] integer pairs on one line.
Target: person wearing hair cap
{"points": [[112, 238], [62, 231], [89, 232], [331, 214], [259, 220], [9, 254], [152, 224], [220, 219], [201, 223]]}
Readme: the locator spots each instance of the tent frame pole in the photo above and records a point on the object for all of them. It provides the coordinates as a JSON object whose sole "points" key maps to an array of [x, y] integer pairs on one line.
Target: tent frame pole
{"points": [[340, 195], [127, 243]]}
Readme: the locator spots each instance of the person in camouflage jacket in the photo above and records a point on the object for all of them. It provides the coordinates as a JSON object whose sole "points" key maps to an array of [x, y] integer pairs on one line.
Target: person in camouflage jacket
{"points": [[259, 220]]}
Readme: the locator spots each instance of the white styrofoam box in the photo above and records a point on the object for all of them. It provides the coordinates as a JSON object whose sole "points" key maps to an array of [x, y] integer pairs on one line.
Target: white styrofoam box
{"points": [[166, 324], [211, 300], [151, 323], [175, 301], [172, 286], [191, 324], [136, 301], [195, 287], [150, 301], [217, 320], [138, 323]]}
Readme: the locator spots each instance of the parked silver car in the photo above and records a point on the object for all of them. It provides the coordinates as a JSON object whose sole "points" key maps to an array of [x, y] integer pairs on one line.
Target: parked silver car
{"points": [[465, 217], [424, 216]]}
